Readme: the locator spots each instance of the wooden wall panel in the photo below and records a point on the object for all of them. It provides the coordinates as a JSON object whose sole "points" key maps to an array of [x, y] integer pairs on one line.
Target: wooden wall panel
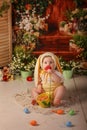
{"points": [[5, 37]]}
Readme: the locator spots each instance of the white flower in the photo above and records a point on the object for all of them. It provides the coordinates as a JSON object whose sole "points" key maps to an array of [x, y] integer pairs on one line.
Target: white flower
{"points": [[31, 25]]}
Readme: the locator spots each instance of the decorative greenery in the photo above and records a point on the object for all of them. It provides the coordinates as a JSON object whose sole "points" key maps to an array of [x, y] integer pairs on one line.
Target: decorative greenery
{"points": [[30, 27], [22, 5], [4, 7], [81, 41], [82, 25], [68, 65], [79, 3], [80, 71], [22, 60], [40, 5], [77, 14], [62, 23]]}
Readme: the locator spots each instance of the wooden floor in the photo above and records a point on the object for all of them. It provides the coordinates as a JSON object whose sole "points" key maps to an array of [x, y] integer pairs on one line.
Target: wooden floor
{"points": [[77, 89], [12, 116]]}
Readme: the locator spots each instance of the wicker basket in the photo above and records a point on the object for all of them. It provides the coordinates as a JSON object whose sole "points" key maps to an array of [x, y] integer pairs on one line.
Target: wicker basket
{"points": [[44, 100]]}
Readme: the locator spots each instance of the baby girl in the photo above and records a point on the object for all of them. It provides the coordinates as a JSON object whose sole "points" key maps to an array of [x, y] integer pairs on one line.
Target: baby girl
{"points": [[48, 78]]}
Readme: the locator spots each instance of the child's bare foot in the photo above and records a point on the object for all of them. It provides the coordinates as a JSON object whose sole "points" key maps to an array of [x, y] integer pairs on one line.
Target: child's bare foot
{"points": [[56, 103]]}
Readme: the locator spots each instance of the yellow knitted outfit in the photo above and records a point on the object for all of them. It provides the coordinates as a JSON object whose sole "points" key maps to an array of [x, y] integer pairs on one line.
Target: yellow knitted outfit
{"points": [[48, 85]]}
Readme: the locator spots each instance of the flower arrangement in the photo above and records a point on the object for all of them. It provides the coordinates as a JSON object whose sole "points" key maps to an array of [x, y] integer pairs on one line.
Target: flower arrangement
{"points": [[22, 60], [78, 14], [68, 64], [78, 17], [81, 42], [40, 5], [31, 26]]}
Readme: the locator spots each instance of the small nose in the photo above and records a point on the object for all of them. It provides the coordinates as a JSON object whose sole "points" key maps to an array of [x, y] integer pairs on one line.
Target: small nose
{"points": [[48, 63]]}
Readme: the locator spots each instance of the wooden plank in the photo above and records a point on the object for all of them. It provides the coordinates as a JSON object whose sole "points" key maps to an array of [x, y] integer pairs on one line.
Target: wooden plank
{"points": [[78, 120], [81, 86], [4, 30], [4, 41]]}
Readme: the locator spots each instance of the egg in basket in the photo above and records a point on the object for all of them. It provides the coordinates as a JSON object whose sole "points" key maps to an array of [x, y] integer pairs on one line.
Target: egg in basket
{"points": [[44, 100]]}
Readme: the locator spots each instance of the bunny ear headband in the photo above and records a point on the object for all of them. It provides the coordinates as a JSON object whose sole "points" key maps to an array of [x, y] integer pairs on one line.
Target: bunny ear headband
{"points": [[39, 65]]}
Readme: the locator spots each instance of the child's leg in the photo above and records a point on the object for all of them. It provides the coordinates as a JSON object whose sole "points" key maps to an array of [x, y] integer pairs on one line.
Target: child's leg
{"points": [[58, 95]]}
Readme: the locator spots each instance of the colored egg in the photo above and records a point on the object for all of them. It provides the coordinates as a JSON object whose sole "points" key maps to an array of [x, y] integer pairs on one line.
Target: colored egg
{"points": [[69, 124], [26, 110], [71, 112], [60, 111], [33, 122], [29, 78]]}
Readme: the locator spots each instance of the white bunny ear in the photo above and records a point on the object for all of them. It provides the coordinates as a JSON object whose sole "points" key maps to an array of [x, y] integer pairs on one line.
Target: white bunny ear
{"points": [[58, 64], [36, 71]]}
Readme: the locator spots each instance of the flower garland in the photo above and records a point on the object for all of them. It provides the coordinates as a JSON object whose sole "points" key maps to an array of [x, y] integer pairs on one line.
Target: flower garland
{"points": [[40, 5], [22, 5]]}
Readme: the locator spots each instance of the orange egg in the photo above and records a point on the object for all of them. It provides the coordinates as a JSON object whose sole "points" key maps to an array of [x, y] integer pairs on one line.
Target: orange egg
{"points": [[33, 122], [60, 111]]}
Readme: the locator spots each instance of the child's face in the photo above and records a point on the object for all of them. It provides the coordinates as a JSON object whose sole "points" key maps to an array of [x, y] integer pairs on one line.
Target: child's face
{"points": [[48, 61]]}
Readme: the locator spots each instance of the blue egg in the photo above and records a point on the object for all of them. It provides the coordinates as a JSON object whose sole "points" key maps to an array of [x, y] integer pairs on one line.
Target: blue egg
{"points": [[26, 110], [69, 124]]}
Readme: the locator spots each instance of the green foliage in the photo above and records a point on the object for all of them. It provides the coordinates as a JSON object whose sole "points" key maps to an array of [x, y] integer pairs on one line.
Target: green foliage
{"points": [[68, 64], [79, 3], [77, 14], [40, 5], [22, 60], [81, 41], [62, 23], [46, 104]]}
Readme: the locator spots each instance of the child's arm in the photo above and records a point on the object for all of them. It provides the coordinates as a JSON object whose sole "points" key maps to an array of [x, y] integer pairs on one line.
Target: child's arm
{"points": [[57, 77], [39, 87]]}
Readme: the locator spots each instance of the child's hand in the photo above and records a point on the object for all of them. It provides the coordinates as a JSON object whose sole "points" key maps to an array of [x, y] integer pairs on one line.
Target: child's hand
{"points": [[40, 90], [55, 78], [49, 71]]}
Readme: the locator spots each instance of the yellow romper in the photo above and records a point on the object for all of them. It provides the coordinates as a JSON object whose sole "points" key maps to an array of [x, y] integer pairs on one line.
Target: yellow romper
{"points": [[48, 85]]}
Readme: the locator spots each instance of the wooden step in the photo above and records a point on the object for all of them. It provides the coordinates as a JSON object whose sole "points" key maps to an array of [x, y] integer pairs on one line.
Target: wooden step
{"points": [[56, 45], [68, 55], [55, 41]]}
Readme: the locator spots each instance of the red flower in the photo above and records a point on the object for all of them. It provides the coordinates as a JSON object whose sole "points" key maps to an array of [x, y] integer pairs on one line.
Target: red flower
{"points": [[28, 6]]}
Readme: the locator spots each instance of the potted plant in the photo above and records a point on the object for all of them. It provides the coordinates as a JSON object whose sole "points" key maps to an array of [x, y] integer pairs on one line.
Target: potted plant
{"points": [[22, 61], [81, 41], [68, 67]]}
